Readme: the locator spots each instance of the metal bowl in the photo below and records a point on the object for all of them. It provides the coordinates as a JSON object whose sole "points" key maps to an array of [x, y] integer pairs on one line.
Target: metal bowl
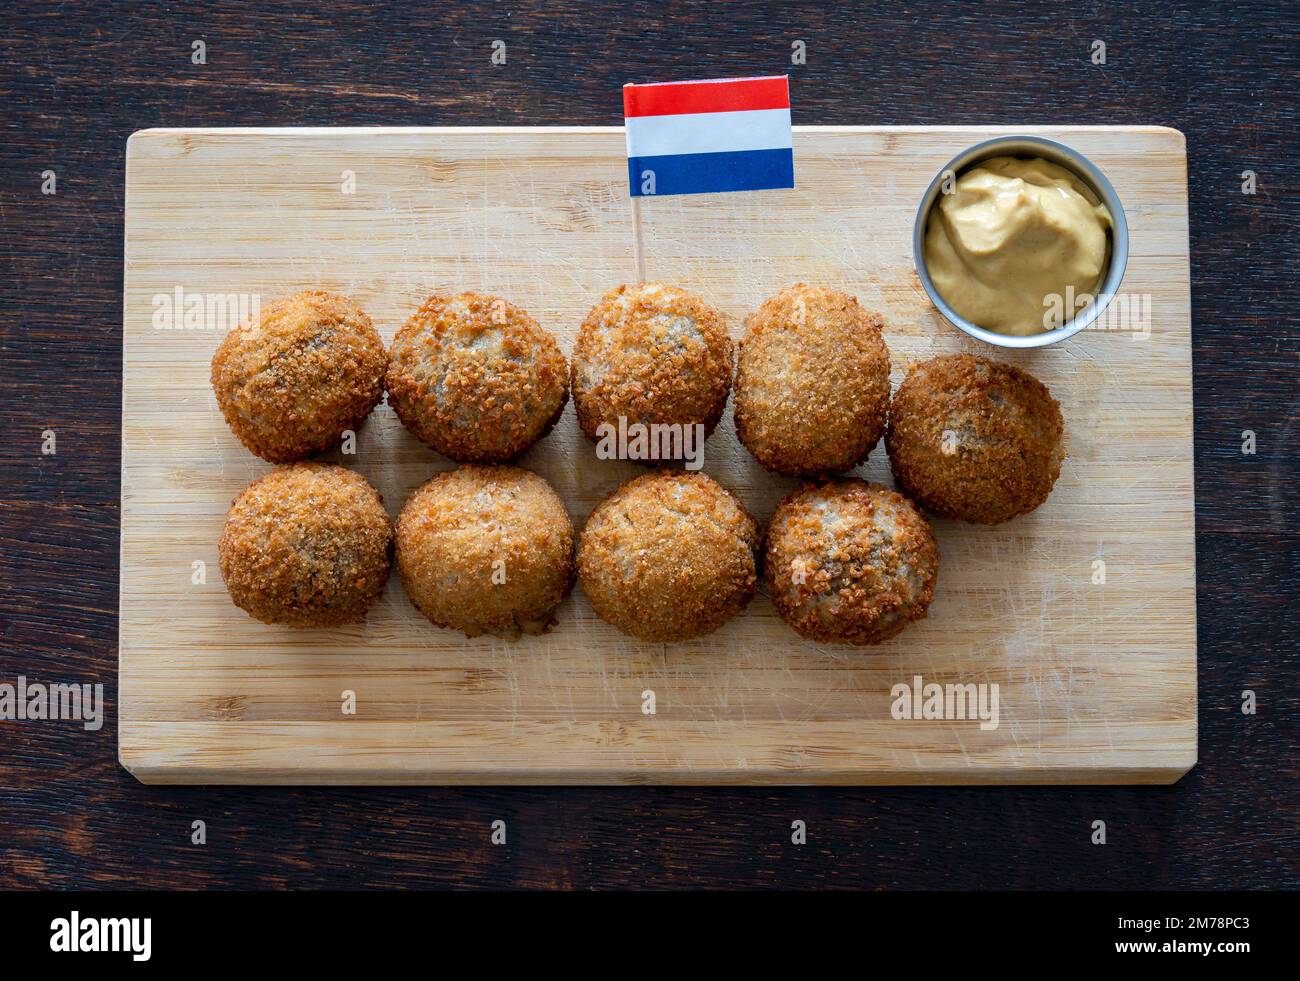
{"points": [[1081, 167]]}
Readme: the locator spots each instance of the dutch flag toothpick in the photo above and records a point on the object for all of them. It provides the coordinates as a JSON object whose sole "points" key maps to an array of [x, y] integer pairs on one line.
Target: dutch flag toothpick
{"points": [[729, 134]]}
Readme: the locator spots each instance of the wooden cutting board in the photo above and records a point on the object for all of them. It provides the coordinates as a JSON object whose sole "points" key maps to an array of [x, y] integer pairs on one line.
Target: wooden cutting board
{"points": [[1096, 680]]}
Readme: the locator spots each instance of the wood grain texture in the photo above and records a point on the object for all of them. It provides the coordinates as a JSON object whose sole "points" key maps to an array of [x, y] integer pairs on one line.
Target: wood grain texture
{"points": [[78, 79], [1096, 682]]}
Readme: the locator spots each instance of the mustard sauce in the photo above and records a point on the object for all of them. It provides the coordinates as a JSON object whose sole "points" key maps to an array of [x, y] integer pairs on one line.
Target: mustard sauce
{"points": [[1015, 242]]}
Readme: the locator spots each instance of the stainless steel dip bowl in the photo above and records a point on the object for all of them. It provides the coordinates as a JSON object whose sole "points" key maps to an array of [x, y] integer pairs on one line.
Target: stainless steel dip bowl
{"points": [[1081, 167]]}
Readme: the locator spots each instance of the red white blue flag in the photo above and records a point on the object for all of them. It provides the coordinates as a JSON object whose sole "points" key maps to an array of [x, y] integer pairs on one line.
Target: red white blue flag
{"points": [[729, 134]]}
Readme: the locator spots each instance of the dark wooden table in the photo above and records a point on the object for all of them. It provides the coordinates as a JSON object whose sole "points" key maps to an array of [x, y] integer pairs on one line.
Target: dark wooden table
{"points": [[75, 81]]}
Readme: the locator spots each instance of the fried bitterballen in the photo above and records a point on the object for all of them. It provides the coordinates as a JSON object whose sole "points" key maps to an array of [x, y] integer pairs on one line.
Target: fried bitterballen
{"points": [[293, 381], [486, 549], [974, 439], [850, 562], [812, 382], [651, 354], [668, 556], [308, 545], [476, 378]]}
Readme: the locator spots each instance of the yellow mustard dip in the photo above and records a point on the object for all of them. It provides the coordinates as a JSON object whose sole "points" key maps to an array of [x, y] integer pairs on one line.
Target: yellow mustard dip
{"points": [[1012, 237]]}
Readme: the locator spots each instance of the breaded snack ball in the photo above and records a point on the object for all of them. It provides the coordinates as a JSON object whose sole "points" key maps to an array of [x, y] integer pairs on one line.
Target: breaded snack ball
{"points": [[486, 549], [293, 381], [476, 378], [651, 354], [974, 439], [850, 562], [812, 383], [307, 545], [668, 556]]}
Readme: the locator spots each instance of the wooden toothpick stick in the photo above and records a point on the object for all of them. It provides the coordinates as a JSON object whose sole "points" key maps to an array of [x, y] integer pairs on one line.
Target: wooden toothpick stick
{"points": [[638, 243]]}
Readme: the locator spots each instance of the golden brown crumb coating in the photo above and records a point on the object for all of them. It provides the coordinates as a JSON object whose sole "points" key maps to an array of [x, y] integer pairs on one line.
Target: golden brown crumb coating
{"points": [[652, 354], [812, 382], [486, 549], [668, 556], [308, 369], [974, 439], [476, 378], [307, 545], [850, 562]]}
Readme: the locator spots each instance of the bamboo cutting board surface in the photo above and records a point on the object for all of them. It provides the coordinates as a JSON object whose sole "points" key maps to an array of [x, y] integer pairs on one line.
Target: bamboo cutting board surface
{"points": [[1097, 681]]}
